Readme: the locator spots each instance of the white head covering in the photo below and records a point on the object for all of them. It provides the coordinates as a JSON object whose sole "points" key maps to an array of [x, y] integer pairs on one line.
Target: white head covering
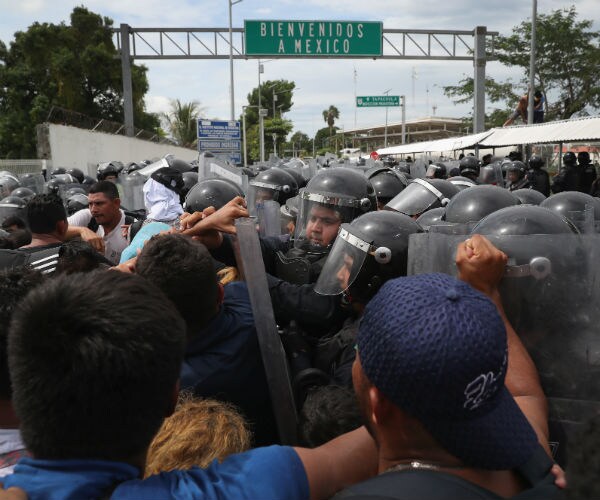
{"points": [[161, 203]]}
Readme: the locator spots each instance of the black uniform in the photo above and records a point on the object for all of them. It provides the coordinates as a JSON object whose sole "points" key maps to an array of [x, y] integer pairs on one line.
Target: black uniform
{"points": [[539, 180]]}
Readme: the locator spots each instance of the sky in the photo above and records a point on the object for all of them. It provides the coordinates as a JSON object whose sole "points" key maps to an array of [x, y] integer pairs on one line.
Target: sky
{"points": [[320, 83]]}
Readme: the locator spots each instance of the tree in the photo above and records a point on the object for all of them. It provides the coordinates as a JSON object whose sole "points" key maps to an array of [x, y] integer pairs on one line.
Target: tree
{"points": [[182, 121], [323, 139], [283, 90], [330, 116], [74, 67], [299, 142], [567, 65]]}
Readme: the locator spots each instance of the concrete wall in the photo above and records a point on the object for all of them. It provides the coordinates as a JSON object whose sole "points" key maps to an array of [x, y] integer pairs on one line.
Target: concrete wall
{"points": [[70, 147]]}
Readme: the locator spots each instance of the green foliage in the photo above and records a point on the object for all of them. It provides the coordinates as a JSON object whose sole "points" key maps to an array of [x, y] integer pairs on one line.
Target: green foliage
{"points": [[277, 126], [283, 91], [330, 115], [182, 122], [567, 65], [323, 139], [70, 66]]}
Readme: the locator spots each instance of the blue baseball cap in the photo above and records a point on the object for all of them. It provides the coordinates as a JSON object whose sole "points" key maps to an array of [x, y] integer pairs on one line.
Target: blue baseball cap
{"points": [[436, 348]]}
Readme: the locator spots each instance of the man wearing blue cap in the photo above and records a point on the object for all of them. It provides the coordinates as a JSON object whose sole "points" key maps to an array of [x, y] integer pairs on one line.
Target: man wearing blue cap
{"points": [[431, 379]]}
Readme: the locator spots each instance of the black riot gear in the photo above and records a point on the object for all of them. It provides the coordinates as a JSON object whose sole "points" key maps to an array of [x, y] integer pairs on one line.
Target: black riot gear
{"points": [[330, 198], [53, 186], [211, 193], [274, 184], [88, 181], [569, 158], [537, 176], [177, 164], [367, 253], [298, 177], [436, 171], [8, 183], [470, 167], [573, 177], [422, 195], [23, 193], [189, 181], [132, 167], [528, 196], [471, 205], [76, 202], [170, 178], [77, 174], [580, 208], [461, 182], [515, 176], [387, 183], [12, 206], [432, 217], [107, 169]]}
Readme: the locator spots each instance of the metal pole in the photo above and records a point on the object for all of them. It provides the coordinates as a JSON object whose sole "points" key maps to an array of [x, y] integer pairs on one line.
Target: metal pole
{"points": [[532, 63], [403, 119], [261, 123], [231, 4], [274, 101], [386, 92], [244, 132], [127, 85], [479, 61]]}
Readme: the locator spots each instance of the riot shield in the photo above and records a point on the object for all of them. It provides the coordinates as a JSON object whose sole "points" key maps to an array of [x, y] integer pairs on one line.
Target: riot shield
{"points": [[131, 191], [251, 265], [418, 169], [269, 218], [550, 294], [35, 182]]}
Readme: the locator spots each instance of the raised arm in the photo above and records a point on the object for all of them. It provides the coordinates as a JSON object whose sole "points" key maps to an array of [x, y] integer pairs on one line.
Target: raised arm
{"points": [[482, 265]]}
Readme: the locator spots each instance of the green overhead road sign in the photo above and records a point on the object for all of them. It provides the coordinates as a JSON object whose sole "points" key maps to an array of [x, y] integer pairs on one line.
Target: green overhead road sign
{"points": [[314, 38], [369, 101]]}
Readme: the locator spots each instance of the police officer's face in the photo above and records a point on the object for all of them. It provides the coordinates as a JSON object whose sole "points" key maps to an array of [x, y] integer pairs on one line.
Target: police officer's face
{"points": [[512, 176], [322, 226], [343, 274]]}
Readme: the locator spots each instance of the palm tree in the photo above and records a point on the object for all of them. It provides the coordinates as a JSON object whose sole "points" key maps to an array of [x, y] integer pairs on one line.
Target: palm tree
{"points": [[182, 121], [330, 116]]}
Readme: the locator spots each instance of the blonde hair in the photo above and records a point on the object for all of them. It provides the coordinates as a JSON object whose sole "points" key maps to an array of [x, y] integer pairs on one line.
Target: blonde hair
{"points": [[200, 431]]}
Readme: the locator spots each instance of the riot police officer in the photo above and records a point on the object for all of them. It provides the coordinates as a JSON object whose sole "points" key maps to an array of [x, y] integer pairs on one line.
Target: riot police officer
{"points": [[538, 177], [574, 177], [588, 171], [470, 167], [516, 176]]}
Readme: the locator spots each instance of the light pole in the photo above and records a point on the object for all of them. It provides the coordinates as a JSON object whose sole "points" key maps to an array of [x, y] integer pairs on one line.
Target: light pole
{"points": [[387, 93], [231, 4], [244, 108], [403, 118], [532, 64], [274, 136], [261, 125], [275, 94]]}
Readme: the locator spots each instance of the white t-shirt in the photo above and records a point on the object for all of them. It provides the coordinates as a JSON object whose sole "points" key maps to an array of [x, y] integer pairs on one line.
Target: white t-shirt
{"points": [[10, 440], [114, 242]]}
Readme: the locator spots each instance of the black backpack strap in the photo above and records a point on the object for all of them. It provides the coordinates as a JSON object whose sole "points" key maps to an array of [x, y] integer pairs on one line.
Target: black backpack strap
{"points": [[93, 225]]}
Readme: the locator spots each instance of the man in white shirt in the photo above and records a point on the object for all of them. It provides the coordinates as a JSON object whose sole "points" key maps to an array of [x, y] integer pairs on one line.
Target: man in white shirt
{"points": [[105, 217]]}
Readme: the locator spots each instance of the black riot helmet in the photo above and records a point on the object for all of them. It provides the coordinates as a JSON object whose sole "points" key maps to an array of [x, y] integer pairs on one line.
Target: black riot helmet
{"points": [[433, 217], [170, 178], [583, 158], [461, 182], [517, 168], [211, 193], [422, 195], [528, 196], [53, 185], [577, 207], [107, 169], [8, 183], [387, 183], [76, 173], [248, 171], [298, 177], [88, 181], [523, 220], [76, 202], [332, 197], [23, 193], [569, 158], [58, 171], [74, 190], [473, 204], [470, 167], [132, 167], [179, 165], [274, 184], [436, 171], [190, 179], [536, 162], [12, 206], [368, 252]]}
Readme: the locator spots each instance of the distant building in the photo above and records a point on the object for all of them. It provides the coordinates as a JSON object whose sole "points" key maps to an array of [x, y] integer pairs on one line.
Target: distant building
{"points": [[420, 129]]}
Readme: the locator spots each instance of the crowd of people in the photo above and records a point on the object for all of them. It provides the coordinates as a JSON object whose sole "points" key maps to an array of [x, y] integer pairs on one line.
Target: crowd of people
{"points": [[131, 364]]}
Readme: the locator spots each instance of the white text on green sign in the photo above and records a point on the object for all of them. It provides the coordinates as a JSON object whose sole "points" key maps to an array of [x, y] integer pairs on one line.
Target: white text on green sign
{"points": [[377, 101], [313, 38]]}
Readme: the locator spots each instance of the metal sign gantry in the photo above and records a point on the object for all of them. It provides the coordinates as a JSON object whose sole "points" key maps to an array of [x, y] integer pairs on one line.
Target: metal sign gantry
{"points": [[213, 43]]}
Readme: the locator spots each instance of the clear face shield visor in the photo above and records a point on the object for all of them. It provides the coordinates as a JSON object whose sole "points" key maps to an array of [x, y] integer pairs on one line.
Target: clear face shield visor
{"points": [[416, 198]]}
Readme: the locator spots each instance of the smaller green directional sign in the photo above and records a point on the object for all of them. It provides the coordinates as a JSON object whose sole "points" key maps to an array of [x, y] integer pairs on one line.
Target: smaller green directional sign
{"points": [[370, 101]]}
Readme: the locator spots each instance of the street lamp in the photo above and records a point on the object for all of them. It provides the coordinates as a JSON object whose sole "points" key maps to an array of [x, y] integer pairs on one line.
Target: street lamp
{"points": [[275, 94], [231, 4], [386, 92], [244, 108]]}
